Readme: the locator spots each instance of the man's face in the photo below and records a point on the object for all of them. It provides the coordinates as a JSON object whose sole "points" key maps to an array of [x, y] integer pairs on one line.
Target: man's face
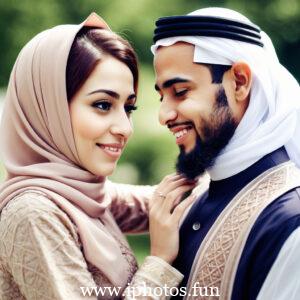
{"points": [[194, 109]]}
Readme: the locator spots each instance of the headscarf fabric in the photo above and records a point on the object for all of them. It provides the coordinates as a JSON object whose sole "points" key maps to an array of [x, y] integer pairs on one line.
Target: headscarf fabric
{"points": [[272, 118]]}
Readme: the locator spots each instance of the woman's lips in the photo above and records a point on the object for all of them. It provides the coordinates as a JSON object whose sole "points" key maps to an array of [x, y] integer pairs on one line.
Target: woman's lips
{"points": [[112, 150]]}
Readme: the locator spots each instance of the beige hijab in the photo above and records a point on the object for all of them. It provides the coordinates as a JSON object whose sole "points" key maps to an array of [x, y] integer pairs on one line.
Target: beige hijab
{"points": [[38, 148]]}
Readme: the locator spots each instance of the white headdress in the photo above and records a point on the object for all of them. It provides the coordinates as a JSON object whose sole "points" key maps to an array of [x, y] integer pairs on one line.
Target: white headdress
{"points": [[272, 118]]}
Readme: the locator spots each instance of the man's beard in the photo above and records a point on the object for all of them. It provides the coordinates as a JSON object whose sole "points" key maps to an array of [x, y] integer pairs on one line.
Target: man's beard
{"points": [[217, 133]]}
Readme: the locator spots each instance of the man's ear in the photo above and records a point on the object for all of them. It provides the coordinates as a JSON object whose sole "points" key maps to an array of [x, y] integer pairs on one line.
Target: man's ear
{"points": [[242, 75]]}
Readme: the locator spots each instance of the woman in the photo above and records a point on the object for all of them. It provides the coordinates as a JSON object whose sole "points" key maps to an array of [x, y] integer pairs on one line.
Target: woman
{"points": [[65, 123]]}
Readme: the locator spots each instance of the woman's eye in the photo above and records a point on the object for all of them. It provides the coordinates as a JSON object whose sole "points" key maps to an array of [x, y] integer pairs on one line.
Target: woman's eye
{"points": [[130, 108], [180, 93], [104, 105]]}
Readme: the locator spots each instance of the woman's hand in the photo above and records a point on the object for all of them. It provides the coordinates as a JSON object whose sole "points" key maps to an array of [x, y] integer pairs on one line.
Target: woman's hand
{"points": [[165, 212]]}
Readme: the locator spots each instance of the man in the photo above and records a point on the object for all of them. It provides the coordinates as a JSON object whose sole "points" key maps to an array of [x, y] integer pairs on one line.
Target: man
{"points": [[235, 113]]}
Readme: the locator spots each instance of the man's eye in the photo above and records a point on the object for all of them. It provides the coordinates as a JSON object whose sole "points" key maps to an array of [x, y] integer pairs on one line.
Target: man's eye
{"points": [[130, 108], [180, 93], [103, 105]]}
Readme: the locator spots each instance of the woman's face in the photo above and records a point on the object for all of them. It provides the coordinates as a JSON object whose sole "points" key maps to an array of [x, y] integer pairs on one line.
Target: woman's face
{"points": [[100, 115]]}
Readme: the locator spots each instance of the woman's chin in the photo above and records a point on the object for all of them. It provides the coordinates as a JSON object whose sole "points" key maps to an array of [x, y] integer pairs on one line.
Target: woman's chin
{"points": [[104, 170]]}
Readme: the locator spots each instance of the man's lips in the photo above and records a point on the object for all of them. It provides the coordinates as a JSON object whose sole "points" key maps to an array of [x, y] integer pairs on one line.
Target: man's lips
{"points": [[180, 132]]}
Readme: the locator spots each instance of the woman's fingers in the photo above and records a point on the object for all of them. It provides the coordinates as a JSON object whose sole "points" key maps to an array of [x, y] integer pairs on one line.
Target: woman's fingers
{"points": [[164, 228], [164, 219], [167, 184], [161, 200], [181, 208], [173, 196], [156, 200], [176, 183], [170, 178]]}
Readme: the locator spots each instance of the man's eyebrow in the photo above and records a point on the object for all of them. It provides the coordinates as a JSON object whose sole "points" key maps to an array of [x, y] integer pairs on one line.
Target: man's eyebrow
{"points": [[170, 82], [108, 92]]}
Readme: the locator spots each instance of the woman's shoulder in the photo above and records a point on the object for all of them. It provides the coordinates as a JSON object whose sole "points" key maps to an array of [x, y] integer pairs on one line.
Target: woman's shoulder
{"points": [[33, 208], [29, 202]]}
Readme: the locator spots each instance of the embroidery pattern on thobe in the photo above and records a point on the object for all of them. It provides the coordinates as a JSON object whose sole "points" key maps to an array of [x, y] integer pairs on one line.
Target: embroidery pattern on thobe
{"points": [[217, 259]]}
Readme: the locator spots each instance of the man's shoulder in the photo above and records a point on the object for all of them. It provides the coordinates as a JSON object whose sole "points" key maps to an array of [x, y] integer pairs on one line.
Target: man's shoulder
{"points": [[287, 205], [283, 214]]}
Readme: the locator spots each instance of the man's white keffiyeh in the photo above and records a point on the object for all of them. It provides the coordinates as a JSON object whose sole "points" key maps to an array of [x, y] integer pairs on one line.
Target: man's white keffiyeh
{"points": [[272, 119]]}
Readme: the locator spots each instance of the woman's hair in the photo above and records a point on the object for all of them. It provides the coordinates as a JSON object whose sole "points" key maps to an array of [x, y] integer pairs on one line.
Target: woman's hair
{"points": [[89, 46]]}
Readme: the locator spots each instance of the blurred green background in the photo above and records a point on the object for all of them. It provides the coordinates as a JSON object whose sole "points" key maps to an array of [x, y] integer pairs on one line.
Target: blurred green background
{"points": [[151, 152]]}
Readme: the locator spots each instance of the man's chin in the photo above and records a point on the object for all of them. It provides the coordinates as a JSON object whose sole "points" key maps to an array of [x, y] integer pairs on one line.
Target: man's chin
{"points": [[185, 150], [191, 163], [188, 150], [188, 171]]}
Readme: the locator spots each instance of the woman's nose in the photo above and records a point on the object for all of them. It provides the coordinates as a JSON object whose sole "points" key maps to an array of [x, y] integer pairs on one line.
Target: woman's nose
{"points": [[122, 125]]}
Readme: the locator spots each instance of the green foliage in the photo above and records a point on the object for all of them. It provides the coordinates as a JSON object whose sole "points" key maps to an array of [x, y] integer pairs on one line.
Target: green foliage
{"points": [[140, 244], [21, 20]]}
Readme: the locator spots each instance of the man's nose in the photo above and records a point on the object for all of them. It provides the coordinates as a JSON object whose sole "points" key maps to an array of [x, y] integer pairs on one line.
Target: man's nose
{"points": [[122, 125], [167, 112]]}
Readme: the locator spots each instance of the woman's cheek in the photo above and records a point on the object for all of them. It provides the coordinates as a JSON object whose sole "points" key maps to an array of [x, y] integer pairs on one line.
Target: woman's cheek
{"points": [[93, 126]]}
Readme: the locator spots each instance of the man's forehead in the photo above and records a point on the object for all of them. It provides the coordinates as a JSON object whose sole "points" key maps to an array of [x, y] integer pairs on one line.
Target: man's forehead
{"points": [[180, 48], [174, 58], [173, 62]]}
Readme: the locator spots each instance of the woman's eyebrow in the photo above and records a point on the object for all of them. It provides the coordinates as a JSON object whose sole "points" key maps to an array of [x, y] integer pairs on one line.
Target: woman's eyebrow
{"points": [[112, 94], [131, 97], [108, 92]]}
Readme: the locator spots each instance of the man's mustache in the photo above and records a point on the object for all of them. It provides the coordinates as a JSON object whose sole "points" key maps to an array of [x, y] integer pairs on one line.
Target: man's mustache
{"points": [[171, 125]]}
